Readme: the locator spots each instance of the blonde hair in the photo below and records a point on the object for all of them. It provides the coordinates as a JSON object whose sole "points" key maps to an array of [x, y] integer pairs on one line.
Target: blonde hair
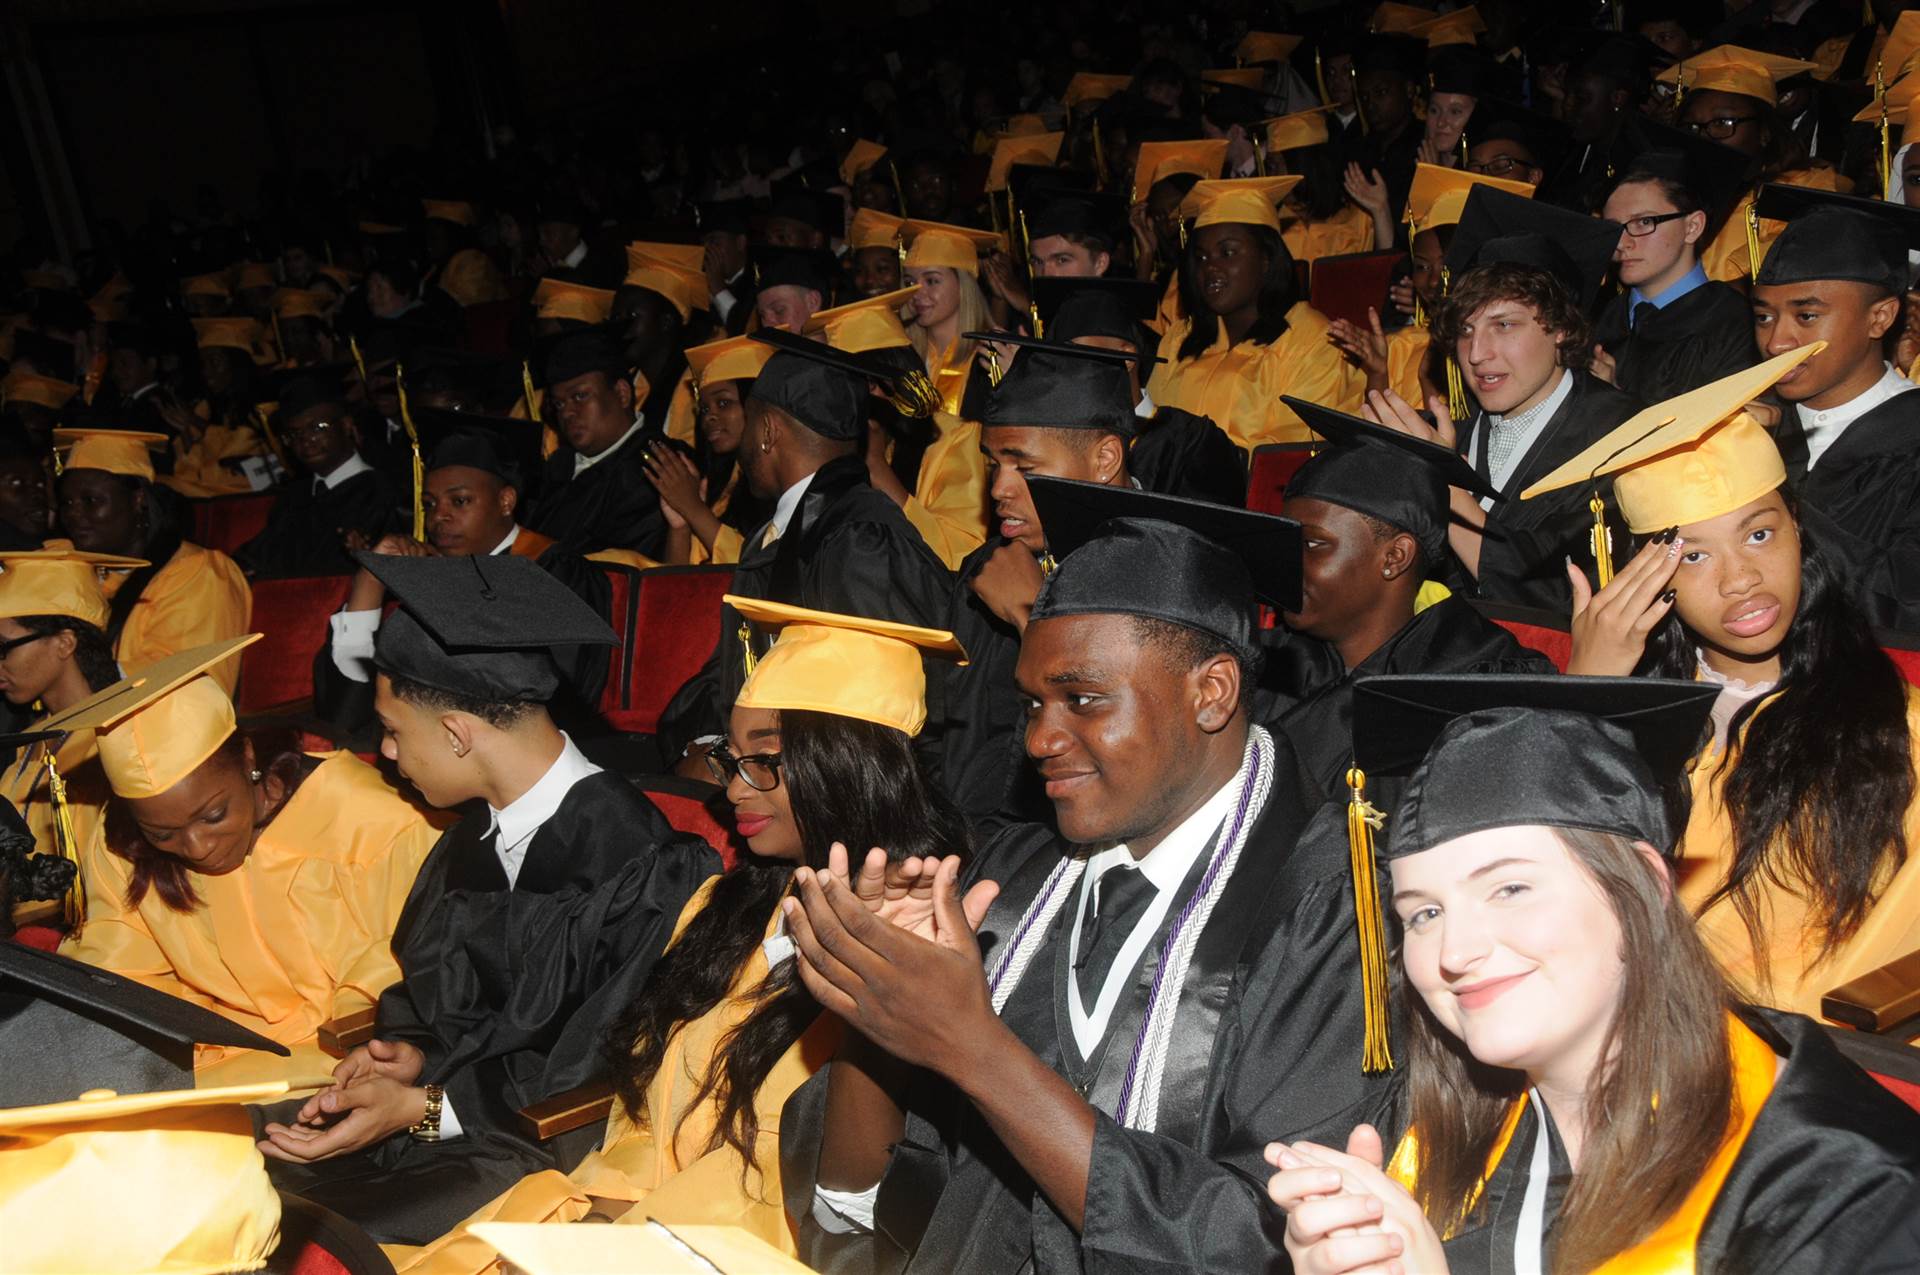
{"points": [[972, 314]]}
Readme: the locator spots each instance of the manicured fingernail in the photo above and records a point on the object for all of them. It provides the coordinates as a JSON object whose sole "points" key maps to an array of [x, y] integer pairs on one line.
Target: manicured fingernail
{"points": [[1669, 533], [1668, 596]]}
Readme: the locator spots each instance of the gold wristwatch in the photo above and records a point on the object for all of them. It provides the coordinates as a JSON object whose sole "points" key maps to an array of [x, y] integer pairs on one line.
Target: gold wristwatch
{"points": [[428, 1130]]}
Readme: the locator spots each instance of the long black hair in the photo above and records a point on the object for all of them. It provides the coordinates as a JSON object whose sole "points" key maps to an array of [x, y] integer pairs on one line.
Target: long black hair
{"points": [[91, 650], [1278, 292], [848, 781], [1819, 785]]}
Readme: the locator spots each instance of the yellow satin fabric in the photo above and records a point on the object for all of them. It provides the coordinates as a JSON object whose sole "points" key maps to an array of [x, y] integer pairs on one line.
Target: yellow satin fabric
{"points": [[24, 786], [727, 542], [1349, 230], [1726, 257], [1406, 351], [1239, 387], [298, 934], [1891, 930], [682, 418], [197, 471], [681, 1181], [949, 373], [948, 506], [200, 596], [471, 278]]}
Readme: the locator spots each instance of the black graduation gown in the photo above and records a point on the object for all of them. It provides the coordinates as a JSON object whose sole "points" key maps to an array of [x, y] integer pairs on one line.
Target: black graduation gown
{"points": [[1701, 337], [304, 527], [1267, 1045], [509, 992], [613, 505], [985, 766], [1863, 499], [1522, 558], [1823, 1173], [1179, 454], [848, 549]]}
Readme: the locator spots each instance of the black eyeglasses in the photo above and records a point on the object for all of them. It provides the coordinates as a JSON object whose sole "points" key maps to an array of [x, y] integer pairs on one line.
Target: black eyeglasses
{"points": [[313, 427], [1641, 227], [1719, 128], [11, 645], [760, 770], [1498, 166]]}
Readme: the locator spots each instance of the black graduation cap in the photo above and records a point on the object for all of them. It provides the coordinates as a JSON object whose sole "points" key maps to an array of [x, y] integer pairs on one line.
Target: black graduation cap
{"points": [[1035, 183], [1714, 173], [1400, 55], [1088, 213], [794, 267], [1627, 60], [482, 627], [821, 210], [728, 216], [1830, 236], [1053, 385], [504, 446], [1104, 306], [1545, 138], [1229, 104], [1492, 751], [565, 355], [299, 389], [1385, 474], [823, 388], [1462, 69], [1122, 551], [1496, 226]]}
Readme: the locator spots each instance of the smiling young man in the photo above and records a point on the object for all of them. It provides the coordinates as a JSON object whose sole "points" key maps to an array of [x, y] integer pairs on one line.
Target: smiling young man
{"points": [[1851, 433]]}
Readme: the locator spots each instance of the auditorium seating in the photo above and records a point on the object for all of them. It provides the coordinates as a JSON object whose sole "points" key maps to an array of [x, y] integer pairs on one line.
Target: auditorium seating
{"points": [[671, 613], [1274, 465], [694, 806], [277, 671], [1904, 650], [227, 522], [1344, 286], [1543, 631]]}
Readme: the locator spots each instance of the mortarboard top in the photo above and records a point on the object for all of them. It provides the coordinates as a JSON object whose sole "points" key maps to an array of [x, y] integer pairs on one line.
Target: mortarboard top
{"points": [[236, 333], [872, 228], [807, 268], [117, 451], [57, 579], [1732, 69], [1109, 306], [687, 256], [483, 627], [683, 289], [1694, 457], [1246, 201], [819, 210], [846, 665], [861, 156], [1834, 236], [726, 216], [1393, 54], [508, 447], [1190, 562], [733, 358], [1258, 48], [1497, 226], [22, 386], [1624, 59], [1901, 96], [256, 274], [1462, 69], [296, 390], [1439, 195], [1157, 161], [1495, 119], [459, 212], [1715, 174], [1250, 78], [823, 388], [206, 285], [1451, 30], [558, 299], [300, 303], [1089, 86], [1298, 130], [380, 229], [1059, 385], [571, 354], [1077, 212], [343, 278], [936, 244], [1226, 104], [1492, 751], [540, 1249], [1903, 42], [1041, 150], [870, 324], [1385, 474], [1025, 124], [1389, 18]]}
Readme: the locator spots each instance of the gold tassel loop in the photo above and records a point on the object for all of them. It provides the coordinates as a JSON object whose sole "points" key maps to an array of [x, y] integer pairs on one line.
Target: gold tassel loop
{"points": [[1753, 239], [1456, 391], [359, 361], [1601, 540], [419, 465], [994, 370], [1033, 313], [1362, 820], [526, 390], [65, 840], [747, 658], [914, 395], [1320, 77]]}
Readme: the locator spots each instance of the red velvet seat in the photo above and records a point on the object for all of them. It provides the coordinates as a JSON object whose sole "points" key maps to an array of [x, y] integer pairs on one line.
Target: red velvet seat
{"points": [[227, 522], [1904, 650], [691, 806], [1543, 631], [489, 327], [1894, 1063], [277, 671], [672, 614], [1344, 286], [1274, 465]]}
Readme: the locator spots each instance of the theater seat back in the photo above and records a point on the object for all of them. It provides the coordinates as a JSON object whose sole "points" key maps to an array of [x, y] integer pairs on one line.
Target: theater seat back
{"points": [[1904, 650], [695, 807], [227, 522], [675, 622], [277, 671], [1344, 286], [1542, 631], [1893, 1063], [1274, 465]]}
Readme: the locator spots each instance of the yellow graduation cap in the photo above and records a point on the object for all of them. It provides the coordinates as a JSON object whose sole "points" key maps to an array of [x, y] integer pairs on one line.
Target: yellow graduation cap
{"points": [[1251, 78], [1089, 86], [115, 289], [1903, 41], [933, 243], [1693, 457], [685, 256], [381, 228], [1034, 148], [459, 212], [1265, 46], [1301, 129], [1439, 194], [301, 303], [544, 1249], [236, 333], [1157, 161], [733, 358], [345, 279], [1458, 27], [1398, 19], [1902, 94], [846, 665], [57, 579], [114, 311], [1728, 68], [206, 285], [558, 299], [1023, 125], [156, 726], [871, 324], [685, 290], [861, 156], [1246, 201], [22, 386], [257, 274], [115, 451], [872, 228]]}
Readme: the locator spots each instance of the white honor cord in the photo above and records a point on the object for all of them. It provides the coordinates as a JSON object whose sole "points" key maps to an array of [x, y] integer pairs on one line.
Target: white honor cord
{"points": [[1529, 1243]]}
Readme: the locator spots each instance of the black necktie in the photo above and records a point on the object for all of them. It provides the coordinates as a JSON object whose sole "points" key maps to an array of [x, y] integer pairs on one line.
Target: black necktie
{"points": [[1643, 314], [1119, 898]]}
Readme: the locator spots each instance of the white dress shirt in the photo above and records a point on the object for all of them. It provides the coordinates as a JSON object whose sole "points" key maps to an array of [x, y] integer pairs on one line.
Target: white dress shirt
{"points": [[574, 258], [583, 462], [352, 467], [1824, 428], [1146, 407], [1536, 421], [784, 508]]}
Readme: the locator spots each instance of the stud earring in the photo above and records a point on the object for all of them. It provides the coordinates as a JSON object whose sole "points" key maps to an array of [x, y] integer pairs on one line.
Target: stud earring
{"points": [[254, 775]]}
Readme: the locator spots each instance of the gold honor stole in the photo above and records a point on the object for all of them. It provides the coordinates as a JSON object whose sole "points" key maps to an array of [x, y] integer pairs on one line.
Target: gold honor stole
{"points": [[1671, 1248]]}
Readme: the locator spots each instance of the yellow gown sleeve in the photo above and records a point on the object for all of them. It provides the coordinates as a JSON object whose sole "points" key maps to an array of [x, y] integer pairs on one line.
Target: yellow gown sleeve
{"points": [[949, 504], [1406, 350], [200, 597], [115, 936], [727, 544], [681, 417], [362, 902], [1305, 364]]}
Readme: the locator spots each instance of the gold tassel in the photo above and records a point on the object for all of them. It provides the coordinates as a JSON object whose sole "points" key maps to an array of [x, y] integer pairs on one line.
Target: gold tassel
{"points": [[994, 370], [1679, 88], [1753, 239], [1320, 78], [899, 191], [1359, 112], [1047, 564], [419, 466], [1464, 148], [1033, 312], [266, 431], [1026, 244], [1362, 819], [526, 390], [1886, 151], [747, 658], [66, 841], [1419, 311], [1456, 391], [1601, 541], [359, 361], [900, 246], [1260, 155], [914, 395]]}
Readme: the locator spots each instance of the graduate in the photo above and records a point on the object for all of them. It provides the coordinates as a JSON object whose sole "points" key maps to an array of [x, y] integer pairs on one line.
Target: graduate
{"points": [[942, 265], [1247, 338], [1388, 70], [26, 505], [1851, 433], [793, 283], [594, 492], [1373, 509], [1317, 220], [1026, 1103], [186, 595], [1560, 1007], [653, 310], [1801, 881], [709, 1051], [707, 502], [233, 870], [873, 253], [534, 920], [1523, 273], [1165, 169]]}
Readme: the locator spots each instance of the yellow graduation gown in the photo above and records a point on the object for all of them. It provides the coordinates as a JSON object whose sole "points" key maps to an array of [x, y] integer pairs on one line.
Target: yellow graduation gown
{"points": [[24, 785], [197, 471], [299, 934], [1238, 387], [1349, 230], [200, 596], [681, 1181], [949, 373], [1726, 258], [682, 418], [728, 542], [1406, 350], [1891, 930], [949, 502]]}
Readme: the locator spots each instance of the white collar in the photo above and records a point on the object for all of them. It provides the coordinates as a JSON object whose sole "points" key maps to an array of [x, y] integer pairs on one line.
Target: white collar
{"points": [[532, 808], [513, 534], [1146, 407], [583, 462], [352, 467], [143, 391], [1168, 863], [578, 255], [783, 508], [1824, 428]]}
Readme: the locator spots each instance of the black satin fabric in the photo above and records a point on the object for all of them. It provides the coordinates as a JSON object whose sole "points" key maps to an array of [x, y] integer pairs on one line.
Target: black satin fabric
{"points": [[1177, 453], [1864, 498], [1267, 1044], [1698, 338], [302, 535], [509, 993], [613, 505]]}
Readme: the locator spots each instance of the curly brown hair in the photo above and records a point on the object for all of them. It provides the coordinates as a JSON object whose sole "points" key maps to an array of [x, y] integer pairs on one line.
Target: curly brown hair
{"points": [[1557, 312]]}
